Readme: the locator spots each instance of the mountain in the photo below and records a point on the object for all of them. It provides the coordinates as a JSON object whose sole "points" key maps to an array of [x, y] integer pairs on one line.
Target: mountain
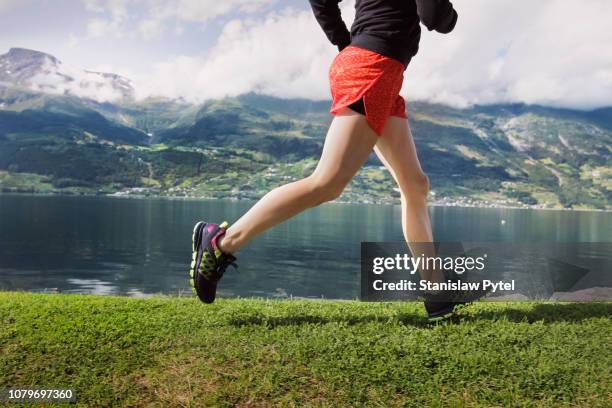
{"points": [[67, 120], [38, 71], [246, 123], [240, 147]]}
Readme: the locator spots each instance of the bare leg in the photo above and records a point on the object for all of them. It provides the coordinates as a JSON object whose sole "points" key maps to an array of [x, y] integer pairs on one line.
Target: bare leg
{"points": [[348, 143], [397, 151]]}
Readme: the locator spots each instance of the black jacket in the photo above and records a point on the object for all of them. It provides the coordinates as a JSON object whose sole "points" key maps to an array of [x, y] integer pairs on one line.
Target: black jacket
{"points": [[388, 27]]}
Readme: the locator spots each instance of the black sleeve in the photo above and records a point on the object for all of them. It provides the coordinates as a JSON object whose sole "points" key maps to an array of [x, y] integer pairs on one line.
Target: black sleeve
{"points": [[328, 15], [437, 15]]}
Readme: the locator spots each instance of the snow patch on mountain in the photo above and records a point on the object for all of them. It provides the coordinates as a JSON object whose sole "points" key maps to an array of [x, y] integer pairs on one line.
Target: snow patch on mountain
{"points": [[43, 72]]}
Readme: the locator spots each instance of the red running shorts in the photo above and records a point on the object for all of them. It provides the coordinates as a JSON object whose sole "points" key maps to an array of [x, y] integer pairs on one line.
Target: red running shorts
{"points": [[358, 73]]}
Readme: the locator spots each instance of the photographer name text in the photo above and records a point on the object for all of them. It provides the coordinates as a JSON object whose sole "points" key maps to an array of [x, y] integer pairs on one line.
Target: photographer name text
{"points": [[425, 285]]}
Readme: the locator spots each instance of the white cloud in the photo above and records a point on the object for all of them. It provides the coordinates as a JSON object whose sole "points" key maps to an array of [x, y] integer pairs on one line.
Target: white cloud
{"points": [[158, 13], [285, 54], [100, 28], [115, 17], [117, 8], [204, 10], [550, 52], [149, 28], [73, 41]]}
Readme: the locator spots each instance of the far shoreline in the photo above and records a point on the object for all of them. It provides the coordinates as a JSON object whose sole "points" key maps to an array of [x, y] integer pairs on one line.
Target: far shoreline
{"points": [[191, 198]]}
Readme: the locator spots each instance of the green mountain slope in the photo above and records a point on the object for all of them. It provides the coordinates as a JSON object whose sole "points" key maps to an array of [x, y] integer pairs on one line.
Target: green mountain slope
{"points": [[241, 147], [244, 123], [62, 118]]}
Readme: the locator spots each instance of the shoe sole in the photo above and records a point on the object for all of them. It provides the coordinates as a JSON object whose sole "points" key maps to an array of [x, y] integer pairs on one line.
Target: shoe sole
{"points": [[195, 244], [442, 314], [450, 310]]}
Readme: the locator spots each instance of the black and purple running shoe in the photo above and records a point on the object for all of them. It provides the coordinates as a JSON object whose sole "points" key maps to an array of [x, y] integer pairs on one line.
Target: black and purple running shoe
{"points": [[208, 262]]}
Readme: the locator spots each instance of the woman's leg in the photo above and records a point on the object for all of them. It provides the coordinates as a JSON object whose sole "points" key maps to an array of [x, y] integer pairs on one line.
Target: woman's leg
{"points": [[397, 151], [348, 143]]}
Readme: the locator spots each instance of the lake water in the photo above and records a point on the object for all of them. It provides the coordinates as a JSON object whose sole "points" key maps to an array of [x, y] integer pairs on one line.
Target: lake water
{"points": [[141, 246]]}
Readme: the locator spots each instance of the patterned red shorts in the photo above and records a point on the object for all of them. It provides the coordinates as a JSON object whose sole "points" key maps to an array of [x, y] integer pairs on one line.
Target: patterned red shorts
{"points": [[358, 73]]}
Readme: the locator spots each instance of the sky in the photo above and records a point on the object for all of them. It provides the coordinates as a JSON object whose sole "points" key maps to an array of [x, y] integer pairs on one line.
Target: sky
{"points": [[549, 52]]}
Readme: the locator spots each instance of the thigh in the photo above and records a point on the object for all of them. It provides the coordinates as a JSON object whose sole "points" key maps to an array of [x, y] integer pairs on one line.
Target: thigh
{"points": [[398, 153], [348, 143]]}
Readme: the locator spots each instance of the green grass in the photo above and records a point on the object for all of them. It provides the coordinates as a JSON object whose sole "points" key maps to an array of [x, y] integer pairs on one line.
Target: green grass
{"points": [[164, 351], [24, 182]]}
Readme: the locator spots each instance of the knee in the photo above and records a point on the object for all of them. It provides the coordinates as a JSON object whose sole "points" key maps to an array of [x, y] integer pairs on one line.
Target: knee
{"points": [[324, 190], [417, 188]]}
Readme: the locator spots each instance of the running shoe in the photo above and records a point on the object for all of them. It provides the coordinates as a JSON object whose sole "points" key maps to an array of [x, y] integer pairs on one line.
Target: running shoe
{"points": [[208, 262], [442, 305]]}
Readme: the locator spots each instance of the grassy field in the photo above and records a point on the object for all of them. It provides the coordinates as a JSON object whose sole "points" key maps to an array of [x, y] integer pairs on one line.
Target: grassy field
{"points": [[164, 351]]}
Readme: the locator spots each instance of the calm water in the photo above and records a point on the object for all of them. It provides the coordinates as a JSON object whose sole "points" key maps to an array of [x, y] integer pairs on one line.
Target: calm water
{"points": [[142, 246]]}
